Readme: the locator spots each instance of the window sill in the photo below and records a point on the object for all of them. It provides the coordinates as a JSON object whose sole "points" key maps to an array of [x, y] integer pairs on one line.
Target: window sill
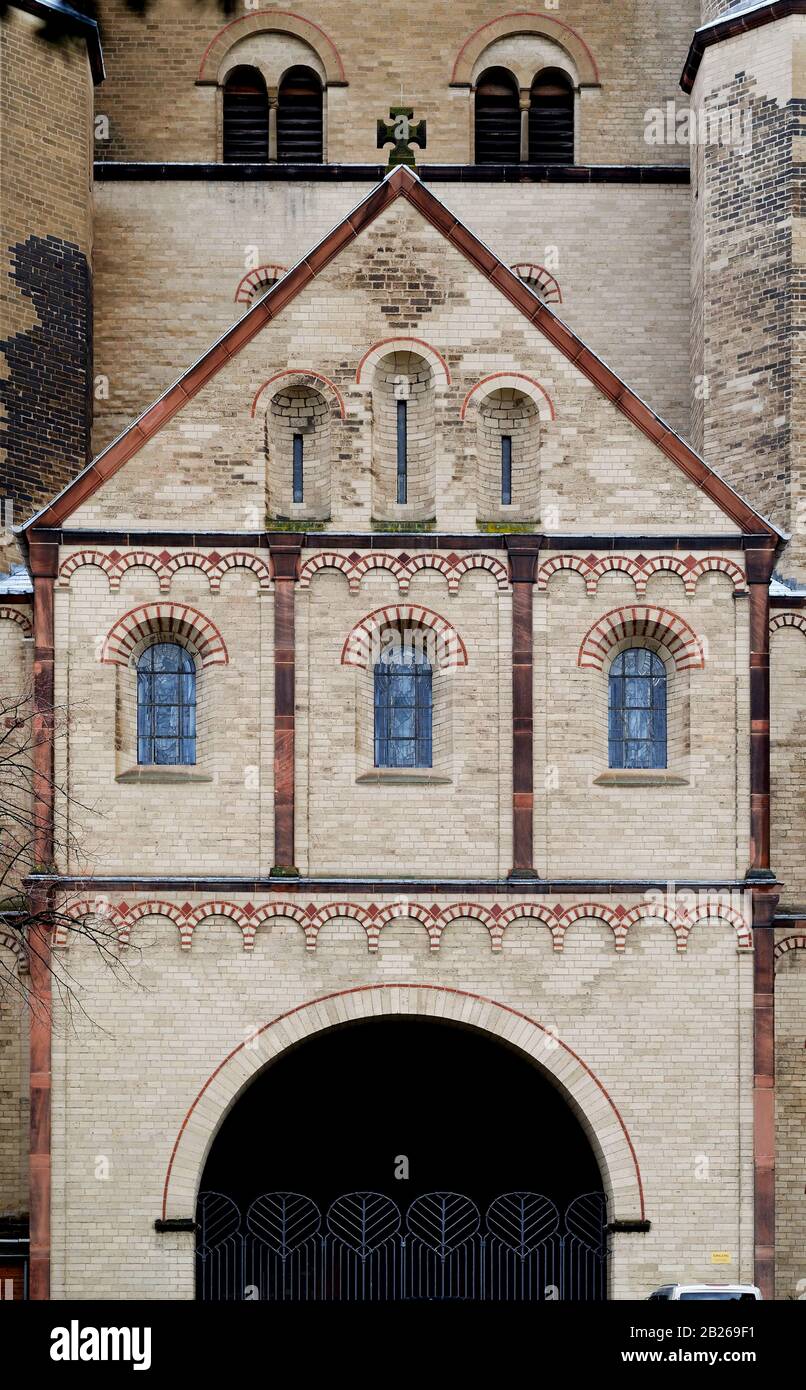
{"points": [[399, 776], [639, 777], [163, 773]]}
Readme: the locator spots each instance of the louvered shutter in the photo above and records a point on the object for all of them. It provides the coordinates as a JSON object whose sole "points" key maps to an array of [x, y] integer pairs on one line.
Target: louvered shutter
{"points": [[498, 119], [551, 119], [299, 118], [246, 118]]}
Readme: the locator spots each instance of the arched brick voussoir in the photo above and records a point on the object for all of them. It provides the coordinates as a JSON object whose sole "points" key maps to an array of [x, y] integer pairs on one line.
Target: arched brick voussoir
{"points": [[418, 346], [268, 912], [576, 563], [780, 621], [479, 561], [789, 943], [218, 907], [239, 559], [597, 912], [332, 560], [668, 629], [261, 276], [639, 570], [272, 21], [80, 559], [659, 912], [525, 22], [130, 915], [723, 914], [432, 918], [715, 564], [12, 943], [99, 909], [11, 614], [544, 283], [330, 912], [581, 1088], [512, 381], [142, 559], [379, 560], [474, 912], [175, 621], [303, 376], [536, 912], [358, 643]]}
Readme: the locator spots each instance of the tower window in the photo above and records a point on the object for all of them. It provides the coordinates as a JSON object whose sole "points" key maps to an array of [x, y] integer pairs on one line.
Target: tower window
{"points": [[166, 705], [506, 470], [498, 118], [637, 709], [551, 118], [403, 708], [246, 118], [402, 450], [297, 481], [299, 118]]}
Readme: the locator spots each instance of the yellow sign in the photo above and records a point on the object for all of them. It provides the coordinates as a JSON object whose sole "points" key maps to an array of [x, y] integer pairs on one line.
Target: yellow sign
{"points": [[720, 1257]]}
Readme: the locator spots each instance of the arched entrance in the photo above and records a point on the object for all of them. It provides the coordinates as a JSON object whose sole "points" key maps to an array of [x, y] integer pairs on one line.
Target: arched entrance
{"points": [[402, 1156]]}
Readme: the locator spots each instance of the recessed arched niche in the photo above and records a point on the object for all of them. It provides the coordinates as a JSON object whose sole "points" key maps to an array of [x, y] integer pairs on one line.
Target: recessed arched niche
{"points": [[298, 446], [508, 456], [403, 438]]}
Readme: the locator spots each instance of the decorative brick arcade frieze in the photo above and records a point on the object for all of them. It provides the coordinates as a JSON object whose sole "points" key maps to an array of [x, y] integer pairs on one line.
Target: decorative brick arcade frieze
{"points": [[640, 569], [122, 916], [404, 566], [165, 565], [778, 622]]}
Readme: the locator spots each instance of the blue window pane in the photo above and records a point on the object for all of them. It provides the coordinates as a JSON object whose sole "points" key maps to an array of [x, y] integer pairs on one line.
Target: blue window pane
{"points": [[403, 708], [637, 710], [166, 705]]}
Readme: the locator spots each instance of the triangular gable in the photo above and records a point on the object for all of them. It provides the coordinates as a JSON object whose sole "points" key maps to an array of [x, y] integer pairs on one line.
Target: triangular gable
{"points": [[401, 183]]}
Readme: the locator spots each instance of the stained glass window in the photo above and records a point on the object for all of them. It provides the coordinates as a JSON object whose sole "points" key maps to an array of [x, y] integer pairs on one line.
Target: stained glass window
{"points": [[637, 709], [166, 705], [403, 709]]}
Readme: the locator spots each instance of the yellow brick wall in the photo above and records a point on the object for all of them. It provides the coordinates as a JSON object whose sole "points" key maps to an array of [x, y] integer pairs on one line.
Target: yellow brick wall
{"points": [[157, 112], [163, 294]]}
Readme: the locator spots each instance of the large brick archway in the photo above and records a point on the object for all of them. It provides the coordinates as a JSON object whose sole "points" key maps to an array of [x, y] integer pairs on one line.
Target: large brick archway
{"points": [[583, 1091]]}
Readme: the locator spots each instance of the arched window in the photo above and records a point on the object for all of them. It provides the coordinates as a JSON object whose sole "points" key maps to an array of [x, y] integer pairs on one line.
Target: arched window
{"points": [[403, 706], [166, 705], [551, 118], [246, 118], [637, 709], [299, 118], [498, 118]]}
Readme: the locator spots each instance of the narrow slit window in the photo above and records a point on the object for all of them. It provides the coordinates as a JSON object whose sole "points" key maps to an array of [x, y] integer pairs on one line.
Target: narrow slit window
{"points": [[506, 470], [402, 451], [298, 479]]}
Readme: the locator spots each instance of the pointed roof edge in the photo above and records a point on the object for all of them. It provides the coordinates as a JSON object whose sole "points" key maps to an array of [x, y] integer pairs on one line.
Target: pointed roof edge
{"points": [[401, 182]]}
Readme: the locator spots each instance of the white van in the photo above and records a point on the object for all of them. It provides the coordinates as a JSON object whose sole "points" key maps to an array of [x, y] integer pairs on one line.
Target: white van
{"points": [[724, 1292]]}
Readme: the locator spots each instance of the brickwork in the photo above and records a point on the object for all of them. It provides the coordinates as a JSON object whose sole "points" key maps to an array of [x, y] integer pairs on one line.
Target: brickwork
{"points": [[749, 417], [790, 1081], [45, 253], [570, 993], [162, 293], [788, 738], [153, 64], [216, 447]]}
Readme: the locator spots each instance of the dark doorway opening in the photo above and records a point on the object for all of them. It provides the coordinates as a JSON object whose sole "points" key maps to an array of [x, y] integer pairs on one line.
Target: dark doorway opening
{"points": [[473, 1125]]}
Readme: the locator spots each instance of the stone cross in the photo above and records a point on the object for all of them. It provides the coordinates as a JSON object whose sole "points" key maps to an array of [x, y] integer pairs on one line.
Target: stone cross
{"points": [[400, 131]]}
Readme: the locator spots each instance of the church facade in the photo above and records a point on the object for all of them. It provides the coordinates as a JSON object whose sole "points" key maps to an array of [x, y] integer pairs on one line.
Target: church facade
{"points": [[417, 577]]}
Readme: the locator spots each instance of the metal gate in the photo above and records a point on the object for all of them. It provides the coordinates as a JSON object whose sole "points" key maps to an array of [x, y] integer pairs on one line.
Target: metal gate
{"points": [[365, 1248]]}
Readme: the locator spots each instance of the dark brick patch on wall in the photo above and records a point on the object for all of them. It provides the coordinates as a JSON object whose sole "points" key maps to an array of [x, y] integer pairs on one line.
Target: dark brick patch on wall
{"points": [[47, 390]]}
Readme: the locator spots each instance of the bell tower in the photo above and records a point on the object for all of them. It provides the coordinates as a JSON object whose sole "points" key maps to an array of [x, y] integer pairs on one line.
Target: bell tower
{"points": [[46, 147], [746, 76]]}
